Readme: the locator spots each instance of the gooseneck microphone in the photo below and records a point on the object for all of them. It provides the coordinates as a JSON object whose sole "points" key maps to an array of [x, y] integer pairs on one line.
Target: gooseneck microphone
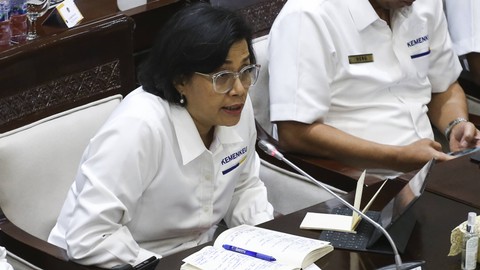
{"points": [[272, 151]]}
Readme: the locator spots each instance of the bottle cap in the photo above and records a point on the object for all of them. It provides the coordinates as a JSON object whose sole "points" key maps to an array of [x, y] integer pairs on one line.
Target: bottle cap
{"points": [[472, 216]]}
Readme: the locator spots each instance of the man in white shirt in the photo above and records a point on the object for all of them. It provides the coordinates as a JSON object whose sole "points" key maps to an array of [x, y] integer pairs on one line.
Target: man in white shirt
{"points": [[361, 82], [463, 19]]}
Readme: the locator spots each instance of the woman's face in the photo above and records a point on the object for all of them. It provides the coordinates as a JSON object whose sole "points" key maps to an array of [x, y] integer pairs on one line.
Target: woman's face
{"points": [[208, 108]]}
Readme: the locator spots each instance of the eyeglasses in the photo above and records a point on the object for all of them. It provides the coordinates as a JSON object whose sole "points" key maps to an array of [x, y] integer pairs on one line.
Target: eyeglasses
{"points": [[224, 80]]}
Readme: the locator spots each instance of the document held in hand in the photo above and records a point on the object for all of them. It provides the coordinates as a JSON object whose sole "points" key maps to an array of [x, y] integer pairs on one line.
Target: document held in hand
{"points": [[290, 252], [342, 223]]}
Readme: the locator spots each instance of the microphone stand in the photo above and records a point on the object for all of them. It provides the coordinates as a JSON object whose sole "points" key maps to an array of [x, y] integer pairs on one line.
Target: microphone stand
{"points": [[272, 151]]}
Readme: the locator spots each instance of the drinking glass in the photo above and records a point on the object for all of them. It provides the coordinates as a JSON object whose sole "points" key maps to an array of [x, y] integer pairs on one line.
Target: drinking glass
{"points": [[35, 9], [19, 27]]}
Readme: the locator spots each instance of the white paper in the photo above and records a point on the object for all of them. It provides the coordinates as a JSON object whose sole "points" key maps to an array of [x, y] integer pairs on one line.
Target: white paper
{"points": [[323, 221], [337, 222], [314, 267]]}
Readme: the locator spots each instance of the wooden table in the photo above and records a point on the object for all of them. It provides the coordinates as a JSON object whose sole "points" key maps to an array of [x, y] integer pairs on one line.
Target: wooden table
{"points": [[436, 216], [148, 19]]}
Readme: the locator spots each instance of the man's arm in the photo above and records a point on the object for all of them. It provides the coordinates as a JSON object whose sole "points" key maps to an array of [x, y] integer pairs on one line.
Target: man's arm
{"points": [[444, 109], [325, 141]]}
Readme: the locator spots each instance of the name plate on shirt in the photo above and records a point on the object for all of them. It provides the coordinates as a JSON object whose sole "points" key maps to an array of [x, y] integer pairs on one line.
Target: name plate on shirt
{"points": [[360, 58]]}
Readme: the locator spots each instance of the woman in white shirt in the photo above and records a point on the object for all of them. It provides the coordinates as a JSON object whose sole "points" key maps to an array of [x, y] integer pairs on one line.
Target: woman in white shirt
{"points": [[178, 154]]}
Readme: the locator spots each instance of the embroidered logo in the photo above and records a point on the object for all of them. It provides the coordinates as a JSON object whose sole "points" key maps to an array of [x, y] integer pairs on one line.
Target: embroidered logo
{"points": [[233, 157], [417, 41]]}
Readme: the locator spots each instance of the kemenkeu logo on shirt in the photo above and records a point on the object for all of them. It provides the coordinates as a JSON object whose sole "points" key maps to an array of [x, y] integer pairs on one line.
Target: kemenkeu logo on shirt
{"points": [[417, 41], [233, 157]]}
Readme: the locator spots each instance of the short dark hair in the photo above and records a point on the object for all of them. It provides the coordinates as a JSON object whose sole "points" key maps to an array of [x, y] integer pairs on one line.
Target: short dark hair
{"points": [[195, 39]]}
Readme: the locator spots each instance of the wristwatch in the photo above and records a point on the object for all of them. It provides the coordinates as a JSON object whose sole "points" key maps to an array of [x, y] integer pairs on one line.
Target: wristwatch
{"points": [[450, 126]]}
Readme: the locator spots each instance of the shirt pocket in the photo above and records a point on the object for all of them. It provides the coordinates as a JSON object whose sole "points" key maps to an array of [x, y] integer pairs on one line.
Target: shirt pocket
{"points": [[421, 60], [420, 54]]}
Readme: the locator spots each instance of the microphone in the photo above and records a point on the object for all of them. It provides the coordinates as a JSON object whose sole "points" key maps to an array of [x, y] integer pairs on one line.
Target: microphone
{"points": [[399, 265]]}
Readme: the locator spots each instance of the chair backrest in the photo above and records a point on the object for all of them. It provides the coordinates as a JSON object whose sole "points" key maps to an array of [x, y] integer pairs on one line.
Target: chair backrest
{"points": [[38, 163], [56, 92], [259, 92], [41, 136], [471, 86]]}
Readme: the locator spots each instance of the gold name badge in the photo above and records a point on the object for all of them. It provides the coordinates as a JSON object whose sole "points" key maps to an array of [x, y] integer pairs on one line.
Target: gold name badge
{"points": [[361, 58]]}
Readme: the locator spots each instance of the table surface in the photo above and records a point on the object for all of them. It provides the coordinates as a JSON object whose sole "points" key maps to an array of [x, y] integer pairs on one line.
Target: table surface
{"points": [[148, 19], [435, 212]]}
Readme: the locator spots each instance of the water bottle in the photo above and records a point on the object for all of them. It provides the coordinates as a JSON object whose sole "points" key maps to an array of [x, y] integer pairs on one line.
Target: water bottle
{"points": [[470, 244], [4, 10], [18, 7], [5, 31]]}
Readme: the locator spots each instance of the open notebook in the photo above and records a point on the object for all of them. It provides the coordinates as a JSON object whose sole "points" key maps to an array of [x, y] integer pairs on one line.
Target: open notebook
{"points": [[394, 217], [246, 247]]}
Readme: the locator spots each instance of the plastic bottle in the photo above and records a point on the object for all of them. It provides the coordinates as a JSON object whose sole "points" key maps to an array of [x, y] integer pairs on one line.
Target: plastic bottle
{"points": [[470, 244], [5, 31], [18, 7], [4, 9]]}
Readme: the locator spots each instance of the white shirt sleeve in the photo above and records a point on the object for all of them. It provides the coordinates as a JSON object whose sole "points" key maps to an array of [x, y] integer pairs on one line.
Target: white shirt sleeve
{"points": [[464, 24], [445, 66], [300, 67]]}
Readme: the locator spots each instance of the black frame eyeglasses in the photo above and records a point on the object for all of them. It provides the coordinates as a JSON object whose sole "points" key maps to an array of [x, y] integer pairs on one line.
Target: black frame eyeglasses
{"points": [[224, 80]]}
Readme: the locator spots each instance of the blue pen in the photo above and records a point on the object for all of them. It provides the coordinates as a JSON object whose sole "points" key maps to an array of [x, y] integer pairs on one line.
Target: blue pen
{"points": [[249, 253]]}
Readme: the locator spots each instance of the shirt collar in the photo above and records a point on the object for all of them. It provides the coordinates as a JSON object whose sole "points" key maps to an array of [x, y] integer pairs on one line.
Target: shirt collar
{"points": [[228, 135], [362, 13], [189, 140]]}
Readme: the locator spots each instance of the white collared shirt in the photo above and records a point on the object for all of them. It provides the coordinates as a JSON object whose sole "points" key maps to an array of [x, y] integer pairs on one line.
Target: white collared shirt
{"points": [[463, 18], [147, 185], [337, 62]]}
